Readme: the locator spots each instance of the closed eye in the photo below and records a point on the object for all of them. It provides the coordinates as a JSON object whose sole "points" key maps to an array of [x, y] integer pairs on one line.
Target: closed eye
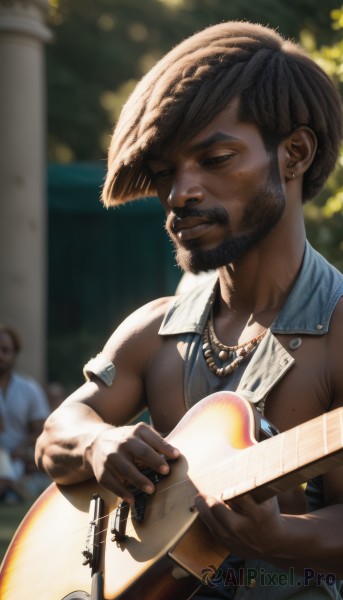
{"points": [[161, 174], [216, 160]]}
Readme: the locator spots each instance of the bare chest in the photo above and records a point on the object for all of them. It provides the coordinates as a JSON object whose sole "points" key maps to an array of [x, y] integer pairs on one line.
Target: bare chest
{"points": [[306, 390], [302, 393]]}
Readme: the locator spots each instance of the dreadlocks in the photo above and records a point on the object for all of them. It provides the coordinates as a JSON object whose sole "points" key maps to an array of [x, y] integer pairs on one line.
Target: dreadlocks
{"points": [[279, 88]]}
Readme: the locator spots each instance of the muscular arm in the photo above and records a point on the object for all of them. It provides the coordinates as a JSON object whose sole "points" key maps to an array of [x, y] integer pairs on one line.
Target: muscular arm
{"points": [[88, 436]]}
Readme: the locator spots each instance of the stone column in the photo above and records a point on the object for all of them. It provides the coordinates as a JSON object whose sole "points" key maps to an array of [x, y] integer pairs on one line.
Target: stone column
{"points": [[23, 246]]}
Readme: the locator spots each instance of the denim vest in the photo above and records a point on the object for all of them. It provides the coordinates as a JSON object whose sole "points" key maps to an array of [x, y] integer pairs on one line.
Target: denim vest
{"points": [[307, 310]]}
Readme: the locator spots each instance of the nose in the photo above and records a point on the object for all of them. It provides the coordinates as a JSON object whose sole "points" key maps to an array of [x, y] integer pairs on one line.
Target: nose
{"points": [[185, 189]]}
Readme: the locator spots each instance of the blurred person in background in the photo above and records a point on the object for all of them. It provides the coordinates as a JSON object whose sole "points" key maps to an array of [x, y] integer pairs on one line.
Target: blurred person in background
{"points": [[56, 394], [23, 410]]}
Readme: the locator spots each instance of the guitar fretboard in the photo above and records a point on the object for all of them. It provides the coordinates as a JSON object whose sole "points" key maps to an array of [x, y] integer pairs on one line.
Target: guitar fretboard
{"points": [[288, 459]]}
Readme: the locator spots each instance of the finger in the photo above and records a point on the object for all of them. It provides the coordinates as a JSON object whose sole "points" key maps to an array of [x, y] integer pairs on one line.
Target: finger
{"points": [[156, 450], [116, 486], [159, 443], [141, 455], [125, 472], [214, 513], [208, 505], [243, 504]]}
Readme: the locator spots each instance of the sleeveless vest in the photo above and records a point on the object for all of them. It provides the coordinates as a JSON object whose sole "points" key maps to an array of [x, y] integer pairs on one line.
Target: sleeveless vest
{"points": [[307, 311]]}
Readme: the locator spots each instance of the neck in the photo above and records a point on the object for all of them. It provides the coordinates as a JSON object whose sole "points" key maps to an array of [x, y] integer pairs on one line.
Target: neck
{"points": [[260, 282]]}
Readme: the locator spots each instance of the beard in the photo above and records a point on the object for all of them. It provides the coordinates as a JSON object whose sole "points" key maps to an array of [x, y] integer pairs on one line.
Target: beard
{"points": [[262, 213]]}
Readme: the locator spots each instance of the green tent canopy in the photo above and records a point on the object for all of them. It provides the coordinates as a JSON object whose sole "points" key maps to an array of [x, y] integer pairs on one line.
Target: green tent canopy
{"points": [[102, 264]]}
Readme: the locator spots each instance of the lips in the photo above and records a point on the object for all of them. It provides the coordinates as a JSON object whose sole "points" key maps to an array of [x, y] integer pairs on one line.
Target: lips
{"points": [[179, 225], [190, 228]]}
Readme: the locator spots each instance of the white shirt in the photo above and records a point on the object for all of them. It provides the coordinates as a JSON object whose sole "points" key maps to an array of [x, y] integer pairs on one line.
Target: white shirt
{"points": [[23, 402]]}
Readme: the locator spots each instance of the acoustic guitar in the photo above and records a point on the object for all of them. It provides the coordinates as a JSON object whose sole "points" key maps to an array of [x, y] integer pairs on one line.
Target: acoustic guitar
{"points": [[79, 542]]}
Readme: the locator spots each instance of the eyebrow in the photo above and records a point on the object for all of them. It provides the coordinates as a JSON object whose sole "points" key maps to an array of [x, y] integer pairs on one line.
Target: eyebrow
{"points": [[214, 138]]}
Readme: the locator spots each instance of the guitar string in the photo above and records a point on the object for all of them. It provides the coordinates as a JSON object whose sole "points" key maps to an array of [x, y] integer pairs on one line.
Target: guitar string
{"points": [[187, 481], [85, 528], [227, 462], [260, 450], [249, 477], [108, 514], [201, 477]]}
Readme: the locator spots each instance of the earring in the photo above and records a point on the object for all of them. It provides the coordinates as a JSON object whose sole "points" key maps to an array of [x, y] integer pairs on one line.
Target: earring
{"points": [[293, 175]]}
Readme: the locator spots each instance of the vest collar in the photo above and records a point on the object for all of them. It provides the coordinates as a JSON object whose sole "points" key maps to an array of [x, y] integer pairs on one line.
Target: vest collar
{"points": [[307, 310]]}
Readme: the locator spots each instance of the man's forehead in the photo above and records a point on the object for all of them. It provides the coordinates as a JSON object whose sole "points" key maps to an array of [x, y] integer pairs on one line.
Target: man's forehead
{"points": [[221, 128]]}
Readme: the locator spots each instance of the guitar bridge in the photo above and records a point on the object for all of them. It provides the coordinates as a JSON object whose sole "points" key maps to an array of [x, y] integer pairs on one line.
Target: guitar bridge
{"points": [[91, 552], [118, 522]]}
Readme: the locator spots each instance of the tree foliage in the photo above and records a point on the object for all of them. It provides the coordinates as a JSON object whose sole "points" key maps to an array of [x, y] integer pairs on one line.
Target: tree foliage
{"points": [[102, 47], [324, 216]]}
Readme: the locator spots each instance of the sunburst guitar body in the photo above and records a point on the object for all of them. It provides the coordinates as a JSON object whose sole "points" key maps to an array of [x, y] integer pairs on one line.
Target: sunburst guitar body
{"points": [[160, 549]]}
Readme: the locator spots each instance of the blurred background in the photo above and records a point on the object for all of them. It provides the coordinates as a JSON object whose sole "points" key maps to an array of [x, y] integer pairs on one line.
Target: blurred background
{"points": [[70, 269]]}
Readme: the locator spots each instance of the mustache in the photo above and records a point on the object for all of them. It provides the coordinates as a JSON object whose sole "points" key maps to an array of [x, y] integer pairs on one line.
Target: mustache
{"points": [[211, 215]]}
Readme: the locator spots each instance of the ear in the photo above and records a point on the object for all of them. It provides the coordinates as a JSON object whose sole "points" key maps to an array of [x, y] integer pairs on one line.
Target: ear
{"points": [[299, 150]]}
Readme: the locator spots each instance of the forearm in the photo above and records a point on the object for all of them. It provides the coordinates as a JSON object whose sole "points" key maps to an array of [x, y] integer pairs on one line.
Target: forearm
{"points": [[311, 541], [62, 447], [258, 531]]}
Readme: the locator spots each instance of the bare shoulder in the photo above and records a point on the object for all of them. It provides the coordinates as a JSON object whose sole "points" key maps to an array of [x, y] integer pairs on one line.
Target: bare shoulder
{"points": [[131, 348], [137, 336]]}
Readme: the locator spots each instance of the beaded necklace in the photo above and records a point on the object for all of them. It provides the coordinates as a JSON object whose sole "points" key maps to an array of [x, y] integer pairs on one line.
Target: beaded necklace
{"points": [[214, 350]]}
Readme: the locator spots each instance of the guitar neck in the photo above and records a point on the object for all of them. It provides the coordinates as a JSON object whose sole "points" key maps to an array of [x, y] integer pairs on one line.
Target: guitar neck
{"points": [[286, 460]]}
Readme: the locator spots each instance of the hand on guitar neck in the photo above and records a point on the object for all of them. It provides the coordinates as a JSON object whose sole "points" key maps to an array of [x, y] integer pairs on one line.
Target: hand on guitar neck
{"points": [[249, 528]]}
